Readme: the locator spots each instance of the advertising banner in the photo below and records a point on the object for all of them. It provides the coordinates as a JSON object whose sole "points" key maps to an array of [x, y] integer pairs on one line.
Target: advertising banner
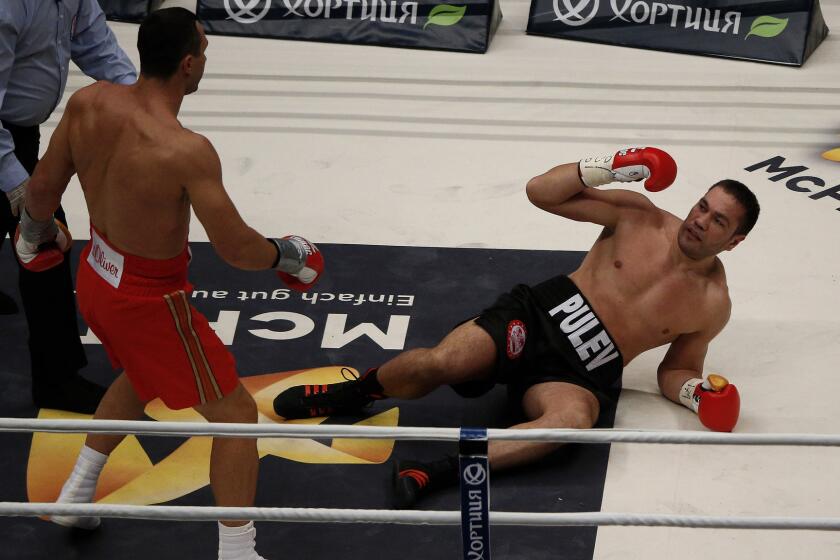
{"points": [[132, 11], [466, 26], [372, 303], [778, 31]]}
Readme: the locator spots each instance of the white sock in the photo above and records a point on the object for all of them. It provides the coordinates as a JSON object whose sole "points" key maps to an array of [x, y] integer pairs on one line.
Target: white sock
{"points": [[80, 487], [237, 543]]}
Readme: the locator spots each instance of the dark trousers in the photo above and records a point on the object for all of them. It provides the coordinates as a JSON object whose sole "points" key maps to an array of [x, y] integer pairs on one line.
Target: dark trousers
{"points": [[49, 301]]}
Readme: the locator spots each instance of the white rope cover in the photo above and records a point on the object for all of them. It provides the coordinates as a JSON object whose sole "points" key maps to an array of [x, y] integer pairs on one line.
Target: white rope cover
{"points": [[407, 433], [405, 517]]}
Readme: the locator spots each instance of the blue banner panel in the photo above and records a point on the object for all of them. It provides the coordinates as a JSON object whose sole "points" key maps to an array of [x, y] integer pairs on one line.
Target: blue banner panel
{"points": [[475, 494], [462, 26], [778, 31], [125, 10]]}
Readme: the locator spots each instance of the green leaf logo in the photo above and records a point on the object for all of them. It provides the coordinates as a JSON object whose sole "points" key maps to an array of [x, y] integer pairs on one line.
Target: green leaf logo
{"points": [[767, 26], [445, 14]]}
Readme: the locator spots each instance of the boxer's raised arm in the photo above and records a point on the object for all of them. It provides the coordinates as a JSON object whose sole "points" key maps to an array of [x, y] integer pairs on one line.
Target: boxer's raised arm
{"points": [[563, 189]]}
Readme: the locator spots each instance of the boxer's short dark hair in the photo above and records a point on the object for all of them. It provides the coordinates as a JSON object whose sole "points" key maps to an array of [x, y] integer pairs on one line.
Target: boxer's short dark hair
{"points": [[746, 198], [165, 38]]}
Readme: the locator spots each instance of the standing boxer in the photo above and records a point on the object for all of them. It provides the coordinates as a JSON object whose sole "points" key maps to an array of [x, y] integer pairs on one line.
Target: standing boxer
{"points": [[141, 173]]}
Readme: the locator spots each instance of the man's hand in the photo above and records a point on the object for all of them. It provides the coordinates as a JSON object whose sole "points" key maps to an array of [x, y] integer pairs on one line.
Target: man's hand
{"points": [[41, 245], [17, 197], [299, 262], [715, 400], [631, 164]]}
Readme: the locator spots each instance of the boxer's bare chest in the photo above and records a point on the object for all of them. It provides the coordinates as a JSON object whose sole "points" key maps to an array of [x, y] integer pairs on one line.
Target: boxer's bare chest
{"points": [[645, 300]]}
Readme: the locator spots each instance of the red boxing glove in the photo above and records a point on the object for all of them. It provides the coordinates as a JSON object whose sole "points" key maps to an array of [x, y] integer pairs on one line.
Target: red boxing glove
{"points": [[631, 164], [715, 400], [45, 256], [299, 262]]}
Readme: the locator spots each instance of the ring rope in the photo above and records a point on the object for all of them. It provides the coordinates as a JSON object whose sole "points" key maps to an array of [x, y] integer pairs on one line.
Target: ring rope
{"points": [[408, 433], [411, 517]]}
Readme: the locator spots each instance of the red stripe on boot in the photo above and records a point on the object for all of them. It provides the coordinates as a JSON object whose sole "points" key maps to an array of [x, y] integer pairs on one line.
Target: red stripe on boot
{"points": [[420, 477]]}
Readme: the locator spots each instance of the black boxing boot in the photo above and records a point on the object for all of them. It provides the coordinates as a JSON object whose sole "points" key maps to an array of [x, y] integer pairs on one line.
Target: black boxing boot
{"points": [[411, 480], [348, 397]]}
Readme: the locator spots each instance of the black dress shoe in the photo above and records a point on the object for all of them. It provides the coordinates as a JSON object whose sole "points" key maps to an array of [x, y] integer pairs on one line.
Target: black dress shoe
{"points": [[7, 305], [73, 393]]}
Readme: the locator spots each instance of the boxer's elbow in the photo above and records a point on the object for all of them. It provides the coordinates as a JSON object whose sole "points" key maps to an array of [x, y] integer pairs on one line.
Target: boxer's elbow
{"points": [[535, 191]]}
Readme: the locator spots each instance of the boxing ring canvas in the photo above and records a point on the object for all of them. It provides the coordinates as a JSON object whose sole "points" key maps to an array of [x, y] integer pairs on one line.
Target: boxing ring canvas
{"points": [[409, 167]]}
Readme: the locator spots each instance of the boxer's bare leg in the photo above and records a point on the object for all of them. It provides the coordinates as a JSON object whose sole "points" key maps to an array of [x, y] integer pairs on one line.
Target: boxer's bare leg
{"points": [[465, 354], [234, 462], [546, 405], [119, 403]]}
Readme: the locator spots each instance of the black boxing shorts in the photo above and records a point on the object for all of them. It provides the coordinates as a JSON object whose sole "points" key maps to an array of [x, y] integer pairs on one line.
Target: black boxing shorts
{"points": [[547, 332]]}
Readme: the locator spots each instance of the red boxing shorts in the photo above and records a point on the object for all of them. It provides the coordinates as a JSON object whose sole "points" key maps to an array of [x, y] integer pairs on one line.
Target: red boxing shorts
{"points": [[139, 309]]}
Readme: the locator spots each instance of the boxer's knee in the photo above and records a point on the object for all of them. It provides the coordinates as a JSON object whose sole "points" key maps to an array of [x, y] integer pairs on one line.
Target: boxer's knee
{"points": [[237, 406], [243, 407], [467, 353], [561, 405], [579, 417]]}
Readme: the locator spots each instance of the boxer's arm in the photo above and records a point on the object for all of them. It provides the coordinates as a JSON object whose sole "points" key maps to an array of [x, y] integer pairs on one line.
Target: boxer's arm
{"points": [[561, 191], [54, 170], [686, 355], [567, 189], [40, 241], [680, 376], [683, 361], [235, 241]]}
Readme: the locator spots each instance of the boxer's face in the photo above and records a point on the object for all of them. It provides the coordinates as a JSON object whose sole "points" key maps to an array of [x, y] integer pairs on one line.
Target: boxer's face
{"points": [[195, 64], [711, 225]]}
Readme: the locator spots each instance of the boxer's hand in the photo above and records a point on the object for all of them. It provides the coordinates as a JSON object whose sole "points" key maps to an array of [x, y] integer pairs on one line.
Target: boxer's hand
{"points": [[37, 254], [631, 164], [299, 262], [17, 197], [715, 400]]}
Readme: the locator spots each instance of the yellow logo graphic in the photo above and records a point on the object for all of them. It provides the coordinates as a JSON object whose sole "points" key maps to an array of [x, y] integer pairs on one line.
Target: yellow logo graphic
{"points": [[832, 155], [130, 477]]}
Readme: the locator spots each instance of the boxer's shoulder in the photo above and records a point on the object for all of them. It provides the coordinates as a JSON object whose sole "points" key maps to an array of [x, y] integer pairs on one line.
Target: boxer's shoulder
{"points": [[196, 153]]}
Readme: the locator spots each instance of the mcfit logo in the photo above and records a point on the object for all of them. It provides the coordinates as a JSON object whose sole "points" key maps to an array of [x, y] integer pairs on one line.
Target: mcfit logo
{"points": [[578, 13], [130, 476]]}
